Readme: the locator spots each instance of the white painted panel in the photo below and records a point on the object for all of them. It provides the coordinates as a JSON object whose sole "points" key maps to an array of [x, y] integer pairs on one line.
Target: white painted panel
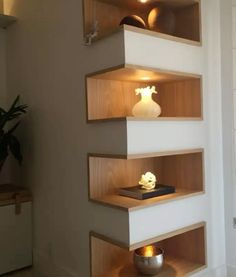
{"points": [[234, 109], [15, 238], [161, 219], [113, 223], [234, 26], [161, 53], [234, 2], [162, 136], [234, 68], [231, 271]]}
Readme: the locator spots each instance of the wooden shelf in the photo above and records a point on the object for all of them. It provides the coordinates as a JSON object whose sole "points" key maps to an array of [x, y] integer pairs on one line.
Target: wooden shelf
{"points": [[6, 20], [111, 93], [108, 173], [184, 250], [174, 267], [187, 17], [132, 118], [130, 204]]}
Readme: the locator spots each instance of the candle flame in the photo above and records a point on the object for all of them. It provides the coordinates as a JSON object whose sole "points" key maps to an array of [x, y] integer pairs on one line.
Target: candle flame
{"points": [[149, 251]]}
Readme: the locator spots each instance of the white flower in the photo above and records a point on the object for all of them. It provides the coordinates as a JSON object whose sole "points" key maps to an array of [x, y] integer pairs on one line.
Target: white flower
{"points": [[148, 181], [146, 91]]}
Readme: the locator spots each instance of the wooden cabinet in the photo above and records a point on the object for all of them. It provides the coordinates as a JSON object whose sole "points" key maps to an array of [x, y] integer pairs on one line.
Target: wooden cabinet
{"points": [[15, 228]]}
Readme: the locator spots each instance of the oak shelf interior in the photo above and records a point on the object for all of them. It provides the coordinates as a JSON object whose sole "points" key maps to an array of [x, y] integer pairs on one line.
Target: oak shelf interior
{"points": [[111, 93], [6, 20], [183, 170], [184, 254], [187, 16]]}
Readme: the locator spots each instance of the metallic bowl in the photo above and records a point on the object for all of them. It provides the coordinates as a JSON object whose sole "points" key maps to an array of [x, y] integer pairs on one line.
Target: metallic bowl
{"points": [[149, 265]]}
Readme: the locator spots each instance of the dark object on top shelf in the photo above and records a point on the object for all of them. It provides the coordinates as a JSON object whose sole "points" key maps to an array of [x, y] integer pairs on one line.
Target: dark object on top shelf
{"points": [[162, 19], [133, 20], [141, 194]]}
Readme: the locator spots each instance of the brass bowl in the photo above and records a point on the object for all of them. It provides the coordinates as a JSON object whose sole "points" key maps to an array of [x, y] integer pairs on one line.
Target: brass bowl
{"points": [[149, 265]]}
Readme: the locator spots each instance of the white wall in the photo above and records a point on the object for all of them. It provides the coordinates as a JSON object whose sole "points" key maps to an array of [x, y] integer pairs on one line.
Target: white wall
{"points": [[4, 175], [47, 62], [228, 44]]}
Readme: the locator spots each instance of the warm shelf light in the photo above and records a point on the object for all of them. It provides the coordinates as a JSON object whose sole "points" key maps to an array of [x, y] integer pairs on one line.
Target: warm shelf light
{"points": [[149, 251], [145, 78], [143, 1], [149, 260]]}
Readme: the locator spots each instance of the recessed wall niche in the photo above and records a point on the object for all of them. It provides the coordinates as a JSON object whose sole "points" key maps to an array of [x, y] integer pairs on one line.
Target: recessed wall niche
{"points": [[178, 19], [184, 254], [111, 93], [108, 173]]}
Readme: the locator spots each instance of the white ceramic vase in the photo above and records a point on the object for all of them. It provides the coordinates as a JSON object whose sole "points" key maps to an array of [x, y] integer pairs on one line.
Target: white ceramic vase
{"points": [[146, 107]]}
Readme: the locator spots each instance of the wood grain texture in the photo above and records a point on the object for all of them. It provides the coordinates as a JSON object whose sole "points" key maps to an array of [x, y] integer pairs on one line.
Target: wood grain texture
{"points": [[135, 73], [111, 94], [147, 155], [184, 254], [134, 4], [108, 15], [129, 204], [107, 175], [180, 99], [188, 22]]}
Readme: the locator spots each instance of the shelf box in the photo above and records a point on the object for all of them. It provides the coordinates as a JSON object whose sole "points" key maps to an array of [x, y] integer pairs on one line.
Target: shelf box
{"points": [[108, 173], [107, 14], [111, 93], [185, 254]]}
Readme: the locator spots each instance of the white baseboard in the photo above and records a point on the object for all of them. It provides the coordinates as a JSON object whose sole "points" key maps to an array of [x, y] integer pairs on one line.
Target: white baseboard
{"points": [[231, 271]]}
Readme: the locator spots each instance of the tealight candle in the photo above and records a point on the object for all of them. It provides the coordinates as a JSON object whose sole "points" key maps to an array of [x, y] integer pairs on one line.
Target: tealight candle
{"points": [[149, 260]]}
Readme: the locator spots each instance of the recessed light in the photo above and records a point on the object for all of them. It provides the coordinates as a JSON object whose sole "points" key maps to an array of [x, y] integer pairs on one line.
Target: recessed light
{"points": [[143, 1], [145, 78]]}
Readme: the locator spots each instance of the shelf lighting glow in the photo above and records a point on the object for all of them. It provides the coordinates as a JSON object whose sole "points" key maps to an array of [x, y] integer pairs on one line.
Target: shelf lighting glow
{"points": [[149, 251], [146, 78], [143, 1]]}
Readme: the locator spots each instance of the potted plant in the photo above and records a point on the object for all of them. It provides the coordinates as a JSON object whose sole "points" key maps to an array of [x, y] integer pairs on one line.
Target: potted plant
{"points": [[8, 141]]}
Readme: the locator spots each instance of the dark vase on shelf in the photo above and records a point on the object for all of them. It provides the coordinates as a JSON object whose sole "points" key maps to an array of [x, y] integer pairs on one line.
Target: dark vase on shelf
{"points": [[162, 19], [133, 20]]}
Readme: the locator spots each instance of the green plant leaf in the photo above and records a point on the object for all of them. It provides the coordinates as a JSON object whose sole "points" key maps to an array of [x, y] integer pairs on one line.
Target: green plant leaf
{"points": [[15, 148], [14, 112]]}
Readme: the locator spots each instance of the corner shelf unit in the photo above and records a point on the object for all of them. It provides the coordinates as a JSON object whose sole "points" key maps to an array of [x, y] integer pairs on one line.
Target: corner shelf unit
{"points": [[107, 14], [185, 254], [6, 20], [111, 93], [108, 173]]}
